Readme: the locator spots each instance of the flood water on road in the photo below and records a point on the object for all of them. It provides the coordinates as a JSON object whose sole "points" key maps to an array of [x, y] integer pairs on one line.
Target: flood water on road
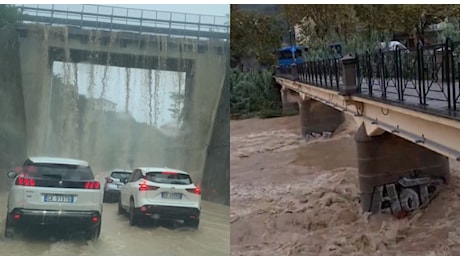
{"points": [[119, 238]]}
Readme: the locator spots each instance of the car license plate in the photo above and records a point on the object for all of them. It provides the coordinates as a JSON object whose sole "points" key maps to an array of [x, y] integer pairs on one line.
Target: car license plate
{"points": [[59, 198], [174, 196]]}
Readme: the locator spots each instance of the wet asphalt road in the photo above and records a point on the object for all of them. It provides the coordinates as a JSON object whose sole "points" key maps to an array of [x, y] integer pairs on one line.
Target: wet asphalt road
{"points": [[119, 238]]}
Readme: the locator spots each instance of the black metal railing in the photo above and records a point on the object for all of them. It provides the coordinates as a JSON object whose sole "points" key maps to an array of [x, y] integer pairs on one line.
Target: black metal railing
{"points": [[427, 78], [129, 19]]}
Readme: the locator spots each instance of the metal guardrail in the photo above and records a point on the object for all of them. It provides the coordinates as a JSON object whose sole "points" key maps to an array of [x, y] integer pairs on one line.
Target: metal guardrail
{"points": [[426, 79], [142, 21]]}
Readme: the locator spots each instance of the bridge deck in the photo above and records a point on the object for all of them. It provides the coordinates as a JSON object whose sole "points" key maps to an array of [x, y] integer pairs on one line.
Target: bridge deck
{"points": [[436, 97], [436, 93], [426, 126]]}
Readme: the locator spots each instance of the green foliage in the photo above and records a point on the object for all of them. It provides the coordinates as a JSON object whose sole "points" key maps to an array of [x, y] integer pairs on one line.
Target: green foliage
{"points": [[8, 14], [255, 35], [324, 21], [358, 25], [451, 31], [253, 93], [362, 42]]}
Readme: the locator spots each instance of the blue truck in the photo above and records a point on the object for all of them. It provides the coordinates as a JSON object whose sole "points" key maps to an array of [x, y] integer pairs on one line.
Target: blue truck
{"points": [[290, 55]]}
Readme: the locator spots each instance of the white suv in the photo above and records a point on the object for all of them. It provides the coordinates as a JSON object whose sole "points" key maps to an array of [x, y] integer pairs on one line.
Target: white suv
{"points": [[54, 191], [160, 193]]}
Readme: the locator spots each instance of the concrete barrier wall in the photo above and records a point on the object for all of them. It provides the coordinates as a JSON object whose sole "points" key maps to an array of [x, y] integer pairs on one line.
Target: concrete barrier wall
{"points": [[13, 139], [216, 177]]}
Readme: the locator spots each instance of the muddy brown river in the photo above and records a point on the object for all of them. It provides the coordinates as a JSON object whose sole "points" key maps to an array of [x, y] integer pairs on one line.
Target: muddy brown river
{"points": [[292, 197], [119, 238]]}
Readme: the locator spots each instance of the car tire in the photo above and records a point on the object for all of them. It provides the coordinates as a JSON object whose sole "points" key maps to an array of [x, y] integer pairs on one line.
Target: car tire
{"points": [[133, 219], [10, 231], [104, 198], [193, 223], [93, 233], [121, 210]]}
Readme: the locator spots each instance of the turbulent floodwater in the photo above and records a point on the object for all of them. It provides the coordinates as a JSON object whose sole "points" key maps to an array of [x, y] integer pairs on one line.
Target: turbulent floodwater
{"points": [[119, 238], [290, 197]]}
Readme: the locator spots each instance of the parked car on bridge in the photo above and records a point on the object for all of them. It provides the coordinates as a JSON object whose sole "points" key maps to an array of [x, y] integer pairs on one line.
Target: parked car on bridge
{"points": [[160, 193], [393, 46], [113, 184], [54, 192]]}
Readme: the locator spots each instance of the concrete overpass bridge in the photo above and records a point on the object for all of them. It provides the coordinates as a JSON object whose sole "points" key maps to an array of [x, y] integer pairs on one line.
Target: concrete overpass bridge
{"points": [[407, 107], [111, 36]]}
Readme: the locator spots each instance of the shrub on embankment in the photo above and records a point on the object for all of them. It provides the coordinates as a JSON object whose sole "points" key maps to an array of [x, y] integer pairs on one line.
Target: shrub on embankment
{"points": [[254, 94]]}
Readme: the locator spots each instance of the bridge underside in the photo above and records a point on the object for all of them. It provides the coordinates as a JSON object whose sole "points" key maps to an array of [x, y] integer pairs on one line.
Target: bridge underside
{"points": [[121, 60], [402, 153]]}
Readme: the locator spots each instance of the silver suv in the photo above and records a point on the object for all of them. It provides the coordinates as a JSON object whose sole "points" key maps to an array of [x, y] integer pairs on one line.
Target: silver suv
{"points": [[54, 191], [113, 184]]}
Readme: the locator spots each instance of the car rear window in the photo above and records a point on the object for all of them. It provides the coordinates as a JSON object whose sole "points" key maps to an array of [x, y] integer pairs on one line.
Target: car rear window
{"points": [[58, 172], [169, 178], [119, 175]]}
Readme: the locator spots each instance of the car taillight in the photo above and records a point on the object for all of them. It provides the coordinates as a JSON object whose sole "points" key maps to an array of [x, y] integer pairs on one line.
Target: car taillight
{"points": [[108, 180], [196, 190], [92, 185], [143, 187], [172, 173], [25, 181]]}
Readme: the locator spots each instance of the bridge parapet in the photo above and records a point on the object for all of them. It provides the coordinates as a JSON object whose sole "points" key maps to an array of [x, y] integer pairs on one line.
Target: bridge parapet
{"points": [[427, 78], [172, 24]]}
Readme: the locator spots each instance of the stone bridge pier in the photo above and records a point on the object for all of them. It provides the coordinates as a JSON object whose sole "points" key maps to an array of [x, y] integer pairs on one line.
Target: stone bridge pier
{"points": [[289, 100], [315, 117], [395, 175]]}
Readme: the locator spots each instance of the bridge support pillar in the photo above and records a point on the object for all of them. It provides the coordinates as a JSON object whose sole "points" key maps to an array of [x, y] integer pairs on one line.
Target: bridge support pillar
{"points": [[36, 72], [397, 176], [315, 117], [289, 101], [205, 90]]}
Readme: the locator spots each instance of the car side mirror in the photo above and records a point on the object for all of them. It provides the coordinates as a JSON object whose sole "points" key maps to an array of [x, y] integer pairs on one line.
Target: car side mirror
{"points": [[12, 174], [124, 180]]}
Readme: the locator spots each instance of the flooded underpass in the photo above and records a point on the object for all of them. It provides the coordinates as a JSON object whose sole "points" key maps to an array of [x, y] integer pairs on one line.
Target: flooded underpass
{"points": [[119, 238], [117, 100]]}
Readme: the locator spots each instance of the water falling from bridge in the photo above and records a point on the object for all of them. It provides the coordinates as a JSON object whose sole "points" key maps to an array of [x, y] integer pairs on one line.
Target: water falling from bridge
{"points": [[111, 115]]}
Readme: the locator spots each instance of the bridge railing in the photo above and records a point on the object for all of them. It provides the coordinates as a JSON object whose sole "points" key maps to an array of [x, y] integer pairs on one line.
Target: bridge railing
{"points": [[129, 19], [428, 78]]}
